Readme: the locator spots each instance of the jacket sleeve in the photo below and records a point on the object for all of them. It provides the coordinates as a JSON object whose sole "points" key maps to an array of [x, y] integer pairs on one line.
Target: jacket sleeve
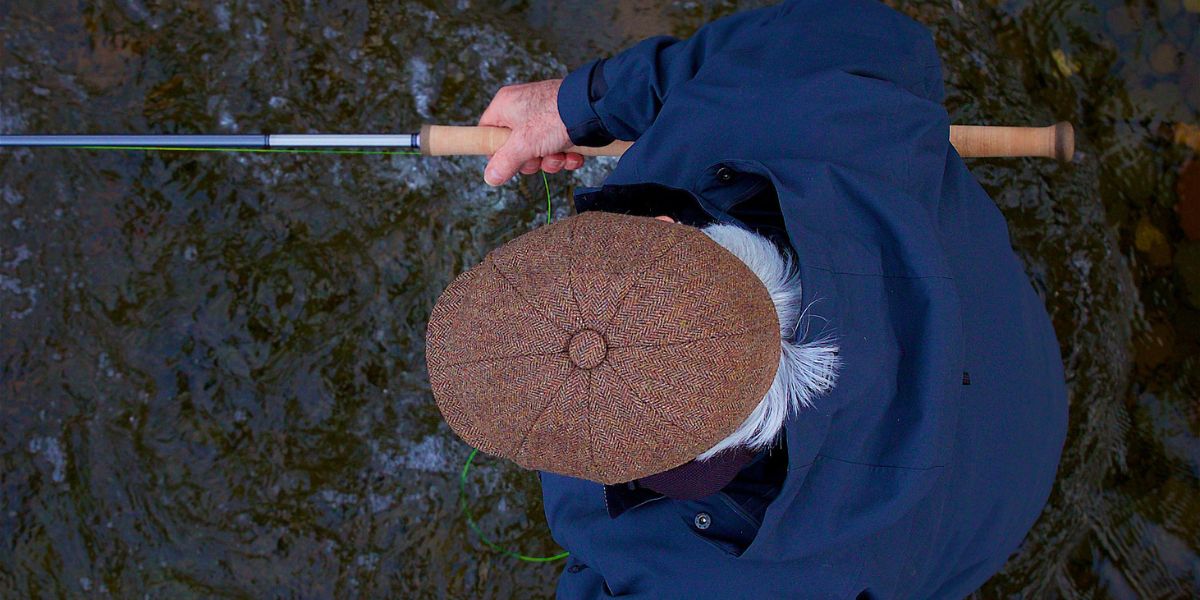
{"points": [[619, 97]]}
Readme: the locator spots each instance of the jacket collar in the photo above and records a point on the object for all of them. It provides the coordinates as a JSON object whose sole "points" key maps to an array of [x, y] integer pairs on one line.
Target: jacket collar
{"points": [[625, 496], [644, 199]]}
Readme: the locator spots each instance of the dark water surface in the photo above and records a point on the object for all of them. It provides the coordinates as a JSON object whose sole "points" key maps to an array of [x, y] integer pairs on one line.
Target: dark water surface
{"points": [[211, 365]]}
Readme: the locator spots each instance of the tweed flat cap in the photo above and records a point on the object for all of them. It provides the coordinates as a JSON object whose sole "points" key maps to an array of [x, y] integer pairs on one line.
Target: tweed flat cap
{"points": [[604, 346]]}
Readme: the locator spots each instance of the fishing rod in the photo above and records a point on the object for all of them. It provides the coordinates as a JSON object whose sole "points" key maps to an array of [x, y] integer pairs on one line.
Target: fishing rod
{"points": [[971, 141]]}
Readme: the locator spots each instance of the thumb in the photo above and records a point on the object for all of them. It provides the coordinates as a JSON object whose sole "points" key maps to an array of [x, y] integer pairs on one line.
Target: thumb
{"points": [[505, 162]]}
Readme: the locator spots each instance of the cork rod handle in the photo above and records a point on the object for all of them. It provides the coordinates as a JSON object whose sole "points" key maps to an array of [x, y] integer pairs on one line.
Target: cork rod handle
{"points": [[451, 140], [1054, 141], [979, 141]]}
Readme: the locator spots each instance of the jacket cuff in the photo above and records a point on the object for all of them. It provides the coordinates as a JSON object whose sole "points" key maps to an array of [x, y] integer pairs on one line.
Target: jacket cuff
{"points": [[579, 89]]}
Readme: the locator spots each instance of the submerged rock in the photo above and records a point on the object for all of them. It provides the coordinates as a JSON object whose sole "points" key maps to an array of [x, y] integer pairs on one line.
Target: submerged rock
{"points": [[1188, 135], [1188, 206], [1156, 345], [1187, 267], [1166, 58], [1123, 20], [1151, 242]]}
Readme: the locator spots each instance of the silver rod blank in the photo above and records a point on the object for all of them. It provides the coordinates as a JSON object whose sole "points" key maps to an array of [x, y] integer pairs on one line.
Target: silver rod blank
{"points": [[332, 140]]}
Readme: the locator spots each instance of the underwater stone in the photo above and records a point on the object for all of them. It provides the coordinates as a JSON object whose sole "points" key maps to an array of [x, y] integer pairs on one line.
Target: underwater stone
{"points": [[1122, 20], [1187, 134], [1167, 98], [1189, 79], [1168, 8], [1188, 206], [1187, 267], [1155, 346], [1151, 242], [1166, 58]]}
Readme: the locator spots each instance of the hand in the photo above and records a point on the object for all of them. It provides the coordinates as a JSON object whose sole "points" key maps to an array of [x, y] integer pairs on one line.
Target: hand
{"points": [[538, 138]]}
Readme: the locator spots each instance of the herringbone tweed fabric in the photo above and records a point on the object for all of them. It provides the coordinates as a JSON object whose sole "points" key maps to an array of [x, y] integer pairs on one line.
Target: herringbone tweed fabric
{"points": [[604, 346]]}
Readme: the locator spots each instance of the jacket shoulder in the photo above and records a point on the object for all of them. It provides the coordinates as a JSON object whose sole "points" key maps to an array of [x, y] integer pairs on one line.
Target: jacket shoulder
{"points": [[864, 37]]}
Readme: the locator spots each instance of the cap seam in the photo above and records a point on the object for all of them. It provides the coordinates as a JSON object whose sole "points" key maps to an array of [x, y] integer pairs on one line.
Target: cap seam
{"points": [[591, 432], [522, 296], [545, 408], [492, 358], [571, 272], [621, 301], [695, 340], [667, 419]]}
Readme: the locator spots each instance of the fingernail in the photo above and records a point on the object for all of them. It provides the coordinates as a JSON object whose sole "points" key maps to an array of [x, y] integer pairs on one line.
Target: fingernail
{"points": [[491, 177]]}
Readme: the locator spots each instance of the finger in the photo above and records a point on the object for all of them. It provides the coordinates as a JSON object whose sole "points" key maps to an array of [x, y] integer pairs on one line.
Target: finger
{"points": [[531, 166], [504, 164], [553, 163], [573, 161]]}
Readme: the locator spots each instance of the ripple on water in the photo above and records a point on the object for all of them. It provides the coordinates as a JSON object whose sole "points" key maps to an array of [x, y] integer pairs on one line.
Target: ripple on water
{"points": [[422, 85], [221, 12], [429, 455], [52, 451], [11, 197], [15, 287]]}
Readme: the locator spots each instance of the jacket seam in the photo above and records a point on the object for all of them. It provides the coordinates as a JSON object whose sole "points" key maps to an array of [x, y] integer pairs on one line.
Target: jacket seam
{"points": [[738, 510], [595, 124]]}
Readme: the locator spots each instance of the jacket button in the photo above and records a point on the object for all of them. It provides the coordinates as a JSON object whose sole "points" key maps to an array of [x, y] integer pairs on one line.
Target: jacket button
{"points": [[703, 520], [724, 174]]}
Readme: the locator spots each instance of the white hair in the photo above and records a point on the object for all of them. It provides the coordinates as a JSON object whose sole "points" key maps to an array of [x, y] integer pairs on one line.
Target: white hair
{"points": [[805, 369]]}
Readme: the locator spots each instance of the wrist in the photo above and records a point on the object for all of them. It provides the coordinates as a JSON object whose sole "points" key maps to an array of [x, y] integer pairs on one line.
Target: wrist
{"points": [[576, 110]]}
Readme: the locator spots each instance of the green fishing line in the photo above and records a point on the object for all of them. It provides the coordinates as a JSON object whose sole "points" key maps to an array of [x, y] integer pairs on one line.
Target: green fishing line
{"points": [[547, 184], [462, 489]]}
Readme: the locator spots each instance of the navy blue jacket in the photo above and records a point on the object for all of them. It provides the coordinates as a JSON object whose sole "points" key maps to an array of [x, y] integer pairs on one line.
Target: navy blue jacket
{"points": [[922, 470]]}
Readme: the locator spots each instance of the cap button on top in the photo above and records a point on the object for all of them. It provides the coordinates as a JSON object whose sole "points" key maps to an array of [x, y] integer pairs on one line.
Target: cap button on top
{"points": [[703, 520], [724, 174], [587, 349]]}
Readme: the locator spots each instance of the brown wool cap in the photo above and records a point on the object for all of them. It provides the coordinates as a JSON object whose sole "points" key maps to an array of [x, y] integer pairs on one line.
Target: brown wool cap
{"points": [[606, 347]]}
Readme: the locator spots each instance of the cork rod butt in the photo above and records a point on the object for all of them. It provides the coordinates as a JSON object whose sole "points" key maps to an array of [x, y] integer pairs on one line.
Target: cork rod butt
{"points": [[1064, 141], [991, 141]]}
